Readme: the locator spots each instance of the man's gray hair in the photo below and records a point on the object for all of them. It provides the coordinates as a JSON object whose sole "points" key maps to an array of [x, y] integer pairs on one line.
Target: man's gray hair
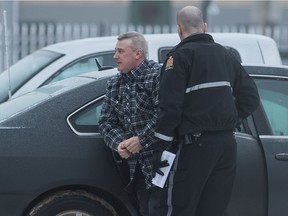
{"points": [[138, 41]]}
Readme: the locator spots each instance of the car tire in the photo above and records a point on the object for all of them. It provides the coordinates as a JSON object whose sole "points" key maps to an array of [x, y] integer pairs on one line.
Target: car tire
{"points": [[72, 203]]}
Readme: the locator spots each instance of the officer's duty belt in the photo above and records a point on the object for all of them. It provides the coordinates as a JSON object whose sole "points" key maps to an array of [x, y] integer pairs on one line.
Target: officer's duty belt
{"points": [[188, 139], [192, 138]]}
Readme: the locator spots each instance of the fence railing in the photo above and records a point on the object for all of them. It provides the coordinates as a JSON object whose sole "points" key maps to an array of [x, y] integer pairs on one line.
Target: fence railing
{"points": [[25, 38]]}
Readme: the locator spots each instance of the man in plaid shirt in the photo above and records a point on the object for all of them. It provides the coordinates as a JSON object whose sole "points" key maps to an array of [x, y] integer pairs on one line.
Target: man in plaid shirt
{"points": [[129, 112]]}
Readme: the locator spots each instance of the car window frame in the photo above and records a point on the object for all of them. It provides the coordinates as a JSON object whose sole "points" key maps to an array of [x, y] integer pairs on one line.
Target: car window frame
{"points": [[263, 125], [12, 85], [52, 79], [72, 117], [265, 128]]}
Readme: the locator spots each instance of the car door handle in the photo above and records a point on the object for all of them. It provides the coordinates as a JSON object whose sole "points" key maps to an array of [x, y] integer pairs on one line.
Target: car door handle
{"points": [[282, 156]]}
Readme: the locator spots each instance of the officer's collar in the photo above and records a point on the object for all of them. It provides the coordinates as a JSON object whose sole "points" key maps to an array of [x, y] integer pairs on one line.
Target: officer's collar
{"points": [[196, 36], [193, 38]]}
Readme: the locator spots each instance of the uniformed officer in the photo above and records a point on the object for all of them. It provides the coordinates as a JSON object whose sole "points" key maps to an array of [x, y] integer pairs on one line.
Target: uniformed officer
{"points": [[204, 91]]}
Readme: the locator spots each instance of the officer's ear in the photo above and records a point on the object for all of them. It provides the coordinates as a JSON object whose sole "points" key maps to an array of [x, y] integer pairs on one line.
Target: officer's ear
{"points": [[180, 31], [205, 27]]}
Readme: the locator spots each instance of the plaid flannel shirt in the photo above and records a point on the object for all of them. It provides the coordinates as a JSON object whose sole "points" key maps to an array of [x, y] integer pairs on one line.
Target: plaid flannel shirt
{"points": [[130, 109]]}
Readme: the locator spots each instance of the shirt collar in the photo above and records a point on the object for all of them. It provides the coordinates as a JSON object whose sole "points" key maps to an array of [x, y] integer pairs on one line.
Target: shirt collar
{"points": [[134, 73]]}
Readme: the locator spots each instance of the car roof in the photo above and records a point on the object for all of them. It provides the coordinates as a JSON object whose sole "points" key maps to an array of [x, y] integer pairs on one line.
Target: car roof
{"points": [[252, 48], [102, 44], [267, 70]]}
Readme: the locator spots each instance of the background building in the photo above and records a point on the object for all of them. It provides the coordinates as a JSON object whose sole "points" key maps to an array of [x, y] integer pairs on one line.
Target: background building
{"points": [[152, 12], [37, 23]]}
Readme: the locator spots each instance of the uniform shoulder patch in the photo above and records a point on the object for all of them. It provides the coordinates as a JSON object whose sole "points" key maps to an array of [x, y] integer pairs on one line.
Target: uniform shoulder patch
{"points": [[169, 64]]}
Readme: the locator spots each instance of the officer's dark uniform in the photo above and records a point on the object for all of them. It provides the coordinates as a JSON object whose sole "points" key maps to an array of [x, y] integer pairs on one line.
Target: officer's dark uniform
{"points": [[203, 92]]}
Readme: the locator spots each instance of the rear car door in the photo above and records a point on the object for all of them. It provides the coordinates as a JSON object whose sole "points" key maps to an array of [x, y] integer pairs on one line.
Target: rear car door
{"points": [[85, 122], [249, 195], [272, 126]]}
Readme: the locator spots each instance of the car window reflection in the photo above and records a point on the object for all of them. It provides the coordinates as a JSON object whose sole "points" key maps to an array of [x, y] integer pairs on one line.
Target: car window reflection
{"points": [[274, 100]]}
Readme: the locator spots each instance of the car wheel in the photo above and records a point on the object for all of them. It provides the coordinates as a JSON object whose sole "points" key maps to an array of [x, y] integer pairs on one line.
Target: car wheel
{"points": [[72, 203]]}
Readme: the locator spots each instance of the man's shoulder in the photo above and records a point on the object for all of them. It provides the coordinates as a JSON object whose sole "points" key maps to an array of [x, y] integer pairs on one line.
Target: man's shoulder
{"points": [[153, 68], [114, 80], [153, 65]]}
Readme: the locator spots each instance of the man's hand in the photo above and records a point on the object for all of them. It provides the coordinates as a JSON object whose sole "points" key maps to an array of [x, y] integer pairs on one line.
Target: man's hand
{"points": [[129, 146], [122, 151], [132, 145]]}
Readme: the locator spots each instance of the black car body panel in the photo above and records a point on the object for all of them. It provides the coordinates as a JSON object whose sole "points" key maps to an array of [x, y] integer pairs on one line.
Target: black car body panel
{"points": [[49, 142], [33, 165]]}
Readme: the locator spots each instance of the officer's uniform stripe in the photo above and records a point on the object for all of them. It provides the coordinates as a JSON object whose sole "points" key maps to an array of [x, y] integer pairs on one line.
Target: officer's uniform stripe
{"points": [[208, 85], [163, 137]]}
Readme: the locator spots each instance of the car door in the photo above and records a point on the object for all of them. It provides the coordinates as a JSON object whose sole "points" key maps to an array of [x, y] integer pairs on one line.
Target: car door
{"points": [[85, 122], [272, 126], [249, 195]]}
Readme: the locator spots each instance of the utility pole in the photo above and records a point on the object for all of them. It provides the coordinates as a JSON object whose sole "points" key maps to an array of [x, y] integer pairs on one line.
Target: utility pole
{"points": [[11, 8]]}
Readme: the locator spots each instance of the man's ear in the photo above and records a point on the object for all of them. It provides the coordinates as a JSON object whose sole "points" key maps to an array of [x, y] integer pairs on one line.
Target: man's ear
{"points": [[139, 54]]}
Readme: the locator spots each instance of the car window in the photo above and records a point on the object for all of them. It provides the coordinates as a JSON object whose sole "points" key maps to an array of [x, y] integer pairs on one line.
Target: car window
{"points": [[86, 119], [273, 95], [274, 99], [84, 65], [24, 70], [162, 54]]}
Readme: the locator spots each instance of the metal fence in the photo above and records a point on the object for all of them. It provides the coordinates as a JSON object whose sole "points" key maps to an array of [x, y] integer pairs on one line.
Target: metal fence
{"points": [[25, 38]]}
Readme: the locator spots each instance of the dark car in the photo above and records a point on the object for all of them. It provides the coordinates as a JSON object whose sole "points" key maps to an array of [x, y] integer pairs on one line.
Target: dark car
{"points": [[54, 161]]}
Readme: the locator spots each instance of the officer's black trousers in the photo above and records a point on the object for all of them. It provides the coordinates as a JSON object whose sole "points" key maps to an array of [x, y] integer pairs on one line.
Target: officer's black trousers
{"points": [[201, 179]]}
